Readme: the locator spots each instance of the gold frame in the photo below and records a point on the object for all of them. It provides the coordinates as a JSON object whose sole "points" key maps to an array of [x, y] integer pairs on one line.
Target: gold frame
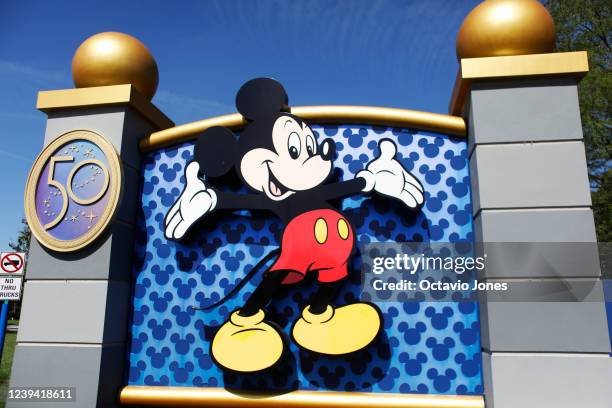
{"points": [[116, 189], [220, 397], [553, 65], [110, 95], [340, 114]]}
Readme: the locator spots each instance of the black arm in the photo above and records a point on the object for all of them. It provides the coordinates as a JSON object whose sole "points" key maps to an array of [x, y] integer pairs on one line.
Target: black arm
{"points": [[235, 201], [340, 189]]}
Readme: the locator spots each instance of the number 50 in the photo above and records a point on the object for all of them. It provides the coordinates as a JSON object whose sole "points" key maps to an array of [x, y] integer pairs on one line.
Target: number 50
{"points": [[67, 192]]}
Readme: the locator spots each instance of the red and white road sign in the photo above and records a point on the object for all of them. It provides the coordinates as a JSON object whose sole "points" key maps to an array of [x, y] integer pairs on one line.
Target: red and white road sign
{"points": [[12, 263]]}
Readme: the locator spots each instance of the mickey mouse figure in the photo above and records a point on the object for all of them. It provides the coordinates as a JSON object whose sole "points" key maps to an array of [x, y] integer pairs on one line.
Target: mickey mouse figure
{"points": [[278, 157]]}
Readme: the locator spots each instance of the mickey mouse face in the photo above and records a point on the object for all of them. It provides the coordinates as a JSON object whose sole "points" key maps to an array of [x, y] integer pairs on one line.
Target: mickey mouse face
{"points": [[295, 162], [276, 154]]}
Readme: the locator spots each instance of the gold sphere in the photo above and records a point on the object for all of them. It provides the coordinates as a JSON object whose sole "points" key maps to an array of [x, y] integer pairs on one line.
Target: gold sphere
{"points": [[113, 58], [506, 27]]}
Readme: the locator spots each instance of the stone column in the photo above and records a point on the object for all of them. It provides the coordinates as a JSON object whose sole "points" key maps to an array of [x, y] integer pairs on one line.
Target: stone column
{"points": [[530, 187], [74, 321]]}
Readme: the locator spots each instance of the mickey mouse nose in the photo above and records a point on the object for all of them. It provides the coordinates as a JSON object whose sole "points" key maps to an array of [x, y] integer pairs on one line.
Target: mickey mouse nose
{"points": [[328, 148]]}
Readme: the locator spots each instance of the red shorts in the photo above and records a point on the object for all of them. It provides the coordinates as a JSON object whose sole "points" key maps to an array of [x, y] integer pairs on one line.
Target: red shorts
{"points": [[319, 240]]}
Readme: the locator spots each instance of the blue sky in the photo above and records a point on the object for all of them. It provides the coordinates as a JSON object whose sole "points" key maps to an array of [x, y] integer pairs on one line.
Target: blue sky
{"points": [[398, 53]]}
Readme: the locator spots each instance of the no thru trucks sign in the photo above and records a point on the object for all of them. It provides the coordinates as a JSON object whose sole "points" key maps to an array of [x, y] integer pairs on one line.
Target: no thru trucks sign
{"points": [[10, 287], [11, 274]]}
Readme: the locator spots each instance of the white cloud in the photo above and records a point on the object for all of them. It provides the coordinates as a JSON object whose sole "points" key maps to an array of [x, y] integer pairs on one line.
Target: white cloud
{"points": [[189, 106], [25, 71], [15, 156]]}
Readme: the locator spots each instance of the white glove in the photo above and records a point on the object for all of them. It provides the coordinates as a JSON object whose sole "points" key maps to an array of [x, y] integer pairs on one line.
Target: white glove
{"points": [[195, 201], [387, 176]]}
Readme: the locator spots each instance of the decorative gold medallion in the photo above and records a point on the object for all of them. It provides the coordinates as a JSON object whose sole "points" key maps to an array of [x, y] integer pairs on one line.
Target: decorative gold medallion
{"points": [[73, 190]]}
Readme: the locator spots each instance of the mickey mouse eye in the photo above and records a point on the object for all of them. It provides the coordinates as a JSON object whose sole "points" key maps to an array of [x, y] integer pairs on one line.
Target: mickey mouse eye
{"points": [[294, 145], [311, 146]]}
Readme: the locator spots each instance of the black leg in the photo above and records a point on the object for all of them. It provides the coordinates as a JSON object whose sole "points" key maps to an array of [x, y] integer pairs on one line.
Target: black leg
{"points": [[263, 293], [323, 297]]}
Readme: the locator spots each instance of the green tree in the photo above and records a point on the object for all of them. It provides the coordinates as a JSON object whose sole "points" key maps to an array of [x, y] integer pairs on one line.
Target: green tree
{"points": [[602, 208], [23, 239], [586, 25]]}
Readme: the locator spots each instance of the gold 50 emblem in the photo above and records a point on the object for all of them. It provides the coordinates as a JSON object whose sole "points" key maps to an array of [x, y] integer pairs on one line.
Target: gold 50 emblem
{"points": [[73, 190]]}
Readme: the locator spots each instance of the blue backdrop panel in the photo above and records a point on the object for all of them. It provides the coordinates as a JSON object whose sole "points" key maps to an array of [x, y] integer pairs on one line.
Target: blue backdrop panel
{"points": [[607, 285], [426, 347]]}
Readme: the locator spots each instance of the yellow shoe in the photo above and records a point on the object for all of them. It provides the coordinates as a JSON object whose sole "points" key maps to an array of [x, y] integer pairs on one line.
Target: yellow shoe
{"points": [[247, 344], [337, 331]]}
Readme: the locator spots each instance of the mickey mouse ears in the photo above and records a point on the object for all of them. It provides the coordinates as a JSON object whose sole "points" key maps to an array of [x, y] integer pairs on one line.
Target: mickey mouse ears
{"points": [[260, 98]]}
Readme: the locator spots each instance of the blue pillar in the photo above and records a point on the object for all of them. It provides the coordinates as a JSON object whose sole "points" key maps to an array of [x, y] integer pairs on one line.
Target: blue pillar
{"points": [[3, 320]]}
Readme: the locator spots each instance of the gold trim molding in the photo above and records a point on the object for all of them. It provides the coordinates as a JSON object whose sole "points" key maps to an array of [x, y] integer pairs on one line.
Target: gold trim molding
{"points": [[219, 397], [561, 64], [114, 178], [49, 101], [341, 114]]}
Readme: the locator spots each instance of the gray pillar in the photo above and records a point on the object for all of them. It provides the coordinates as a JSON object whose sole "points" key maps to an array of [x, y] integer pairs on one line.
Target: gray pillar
{"points": [[74, 320], [529, 183]]}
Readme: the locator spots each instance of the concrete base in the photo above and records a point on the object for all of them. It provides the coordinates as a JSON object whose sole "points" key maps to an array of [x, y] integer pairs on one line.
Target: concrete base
{"points": [[71, 311], [524, 111], [92, 369], [516, 380], [552, 326], [107, 258], [529, 175]]}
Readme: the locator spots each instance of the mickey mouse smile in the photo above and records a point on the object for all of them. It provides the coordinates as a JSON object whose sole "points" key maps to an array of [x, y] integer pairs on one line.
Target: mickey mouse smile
{"points": [[276, 190]]}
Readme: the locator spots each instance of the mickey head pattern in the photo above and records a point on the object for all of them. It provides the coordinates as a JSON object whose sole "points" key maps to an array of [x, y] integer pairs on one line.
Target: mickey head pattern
{"points": [[170, 342]]}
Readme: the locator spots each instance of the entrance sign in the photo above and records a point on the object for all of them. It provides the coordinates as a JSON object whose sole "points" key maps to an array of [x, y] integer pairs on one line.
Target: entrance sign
{"points": [[12, 263], [10, 288], [73, 190], [238, 270]]}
